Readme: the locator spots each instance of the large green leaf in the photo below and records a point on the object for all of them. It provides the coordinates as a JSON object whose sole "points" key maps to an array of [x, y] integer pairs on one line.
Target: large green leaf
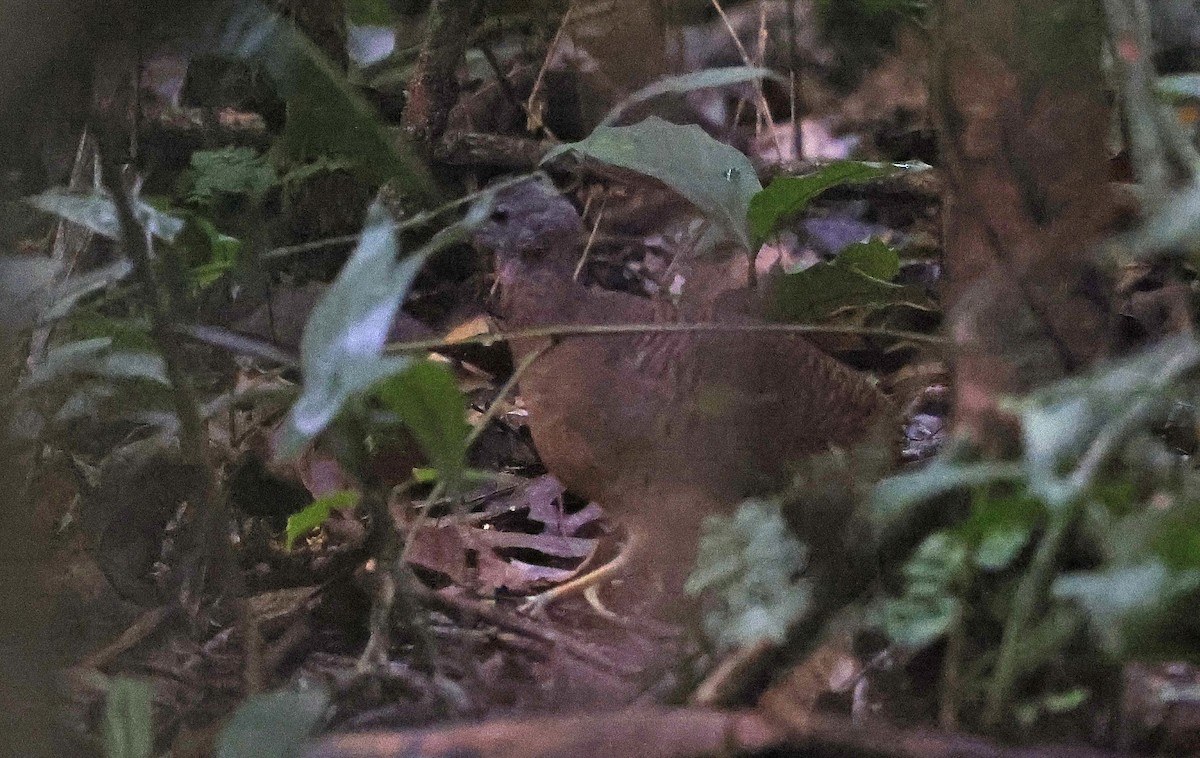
{"points": [[747, 568], [97, 358], [428, 401], [315, 513], [273, 725], [1143, 609], [128, 720], [788, 195], [1172, 227], [713, 176], [326, 116], [858, 277], [228, 172], [69, 293], [341, 352], [706, 79], [1061, 422], [96, 212], [896, 497]]}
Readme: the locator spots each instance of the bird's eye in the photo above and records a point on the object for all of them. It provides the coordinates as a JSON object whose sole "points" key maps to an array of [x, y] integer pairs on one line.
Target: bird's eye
{"points": [[499, 215]]}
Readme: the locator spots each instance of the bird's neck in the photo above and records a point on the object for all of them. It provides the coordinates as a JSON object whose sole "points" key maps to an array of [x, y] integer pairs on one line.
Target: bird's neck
{"points": [[540, 297]]}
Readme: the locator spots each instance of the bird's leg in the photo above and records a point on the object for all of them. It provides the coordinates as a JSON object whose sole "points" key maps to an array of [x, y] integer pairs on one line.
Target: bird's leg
{"points": [[590, 582]]}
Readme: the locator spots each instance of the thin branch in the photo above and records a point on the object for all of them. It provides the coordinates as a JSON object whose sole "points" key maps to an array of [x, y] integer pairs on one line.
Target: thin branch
{"points": [[418, 219], [765, 110], [575, 330]]}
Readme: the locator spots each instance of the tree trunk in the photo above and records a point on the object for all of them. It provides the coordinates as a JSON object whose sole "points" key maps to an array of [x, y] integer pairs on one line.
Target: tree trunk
{"points": [[1019, 100]]}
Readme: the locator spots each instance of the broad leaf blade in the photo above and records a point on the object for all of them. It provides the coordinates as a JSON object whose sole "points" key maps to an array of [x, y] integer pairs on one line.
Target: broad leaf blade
{"points": [[97, 358], [128, 720], [696, 80], [713, 176], [788, 195], [856, 278], [428, 401], [896, 496], [315, 513], [1059, 423], [273, 725], [97, 213], [341, 352]]}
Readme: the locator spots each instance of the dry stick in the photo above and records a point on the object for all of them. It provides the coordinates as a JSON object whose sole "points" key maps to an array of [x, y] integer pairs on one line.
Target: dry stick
{"points": [[794, 80], [587, 248], [758, 90], [502, 80], [575, 330], [534, 123], [417, 219], [517, 624], [213, 568]]}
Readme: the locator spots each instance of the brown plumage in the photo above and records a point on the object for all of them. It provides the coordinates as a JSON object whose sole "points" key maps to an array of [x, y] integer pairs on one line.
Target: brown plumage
{"points": [[663, 428]]}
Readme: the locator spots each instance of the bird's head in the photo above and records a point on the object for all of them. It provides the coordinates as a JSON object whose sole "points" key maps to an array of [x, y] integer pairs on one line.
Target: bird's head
{"points": [[531, 228]]}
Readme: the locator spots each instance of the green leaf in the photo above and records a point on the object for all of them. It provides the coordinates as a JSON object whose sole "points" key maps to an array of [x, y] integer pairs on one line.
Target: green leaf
{"points": [[934, 576], [228, 171], [326, 116], [706, 79], [220, 251], [1178, 88], [788, 195], [370, 12], [1059, 423], [1067, 701], [746, 567], [1001, 523], [1172, 228], [273, 725], [97, 213], [315, 513], [713, 176], [874, 259], [341, 352], [1000, 547], [917, 622], [128, 720], [96, 358], [427, 399], [1121, 602], [855, 278], [896, 496], [68, 294], [318, 165]]}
